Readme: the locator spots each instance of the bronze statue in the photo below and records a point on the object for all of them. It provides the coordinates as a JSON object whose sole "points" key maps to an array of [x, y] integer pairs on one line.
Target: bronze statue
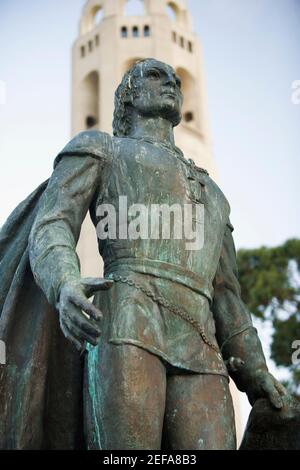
{"points": [[167, 325]]}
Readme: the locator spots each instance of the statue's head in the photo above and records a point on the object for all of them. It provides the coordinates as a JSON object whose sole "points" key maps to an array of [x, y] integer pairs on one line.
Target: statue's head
{"points": [[150, 88]]}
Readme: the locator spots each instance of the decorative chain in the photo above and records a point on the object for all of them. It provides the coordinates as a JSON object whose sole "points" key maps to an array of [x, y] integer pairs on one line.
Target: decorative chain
{"points": [[164, 303]]}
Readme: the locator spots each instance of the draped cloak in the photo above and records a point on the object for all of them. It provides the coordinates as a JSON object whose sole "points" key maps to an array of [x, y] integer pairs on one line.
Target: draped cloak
{"points": [[41, 382]]}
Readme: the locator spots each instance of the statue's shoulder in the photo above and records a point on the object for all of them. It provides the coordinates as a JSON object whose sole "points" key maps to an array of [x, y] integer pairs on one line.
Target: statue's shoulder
{"points": [[93, 143]]}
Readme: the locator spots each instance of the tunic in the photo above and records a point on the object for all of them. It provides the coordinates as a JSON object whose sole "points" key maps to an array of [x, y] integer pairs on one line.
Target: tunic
{"points": [[95, 169]]}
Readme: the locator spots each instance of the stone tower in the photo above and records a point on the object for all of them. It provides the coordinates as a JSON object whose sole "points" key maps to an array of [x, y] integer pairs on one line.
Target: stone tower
{"points": [[109, 42], [113, 35]]}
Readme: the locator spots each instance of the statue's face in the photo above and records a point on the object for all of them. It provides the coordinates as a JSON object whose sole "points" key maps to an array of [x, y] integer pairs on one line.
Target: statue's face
{"points": [[157, 91]]}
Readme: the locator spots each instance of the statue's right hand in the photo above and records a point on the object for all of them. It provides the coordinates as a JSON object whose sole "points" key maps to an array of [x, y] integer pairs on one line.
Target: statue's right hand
{"points": [[79, 318]]}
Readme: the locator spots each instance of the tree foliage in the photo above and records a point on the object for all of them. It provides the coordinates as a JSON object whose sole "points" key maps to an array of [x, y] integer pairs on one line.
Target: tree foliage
{"points": [[270, 282]]}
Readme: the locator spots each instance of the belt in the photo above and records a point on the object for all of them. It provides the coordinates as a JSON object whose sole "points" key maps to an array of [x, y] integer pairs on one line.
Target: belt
{"points": [[166, 304], [162, 270]]}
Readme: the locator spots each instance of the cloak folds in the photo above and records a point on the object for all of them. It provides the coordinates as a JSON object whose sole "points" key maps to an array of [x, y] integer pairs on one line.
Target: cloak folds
{"points": [[41, 382]]}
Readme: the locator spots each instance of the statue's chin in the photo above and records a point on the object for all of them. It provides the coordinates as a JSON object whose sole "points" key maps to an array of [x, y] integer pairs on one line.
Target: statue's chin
{"points": [[174, 119], [168, 112], [172, 114]]}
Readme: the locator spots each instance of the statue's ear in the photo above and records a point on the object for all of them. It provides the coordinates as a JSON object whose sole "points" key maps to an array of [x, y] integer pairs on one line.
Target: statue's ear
{"points": [[128, 99]]}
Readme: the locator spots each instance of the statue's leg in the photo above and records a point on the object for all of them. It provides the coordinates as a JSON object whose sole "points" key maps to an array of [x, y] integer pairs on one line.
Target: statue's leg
{"points": [[199, 413], [127, 399]]}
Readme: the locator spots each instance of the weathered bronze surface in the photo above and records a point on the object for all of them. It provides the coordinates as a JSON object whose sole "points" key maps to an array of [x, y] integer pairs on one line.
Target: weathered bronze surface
{"points": [[167, 325]]}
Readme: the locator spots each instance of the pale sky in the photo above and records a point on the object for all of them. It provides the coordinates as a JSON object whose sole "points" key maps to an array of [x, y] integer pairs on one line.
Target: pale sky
{"points": [[251, 57]]}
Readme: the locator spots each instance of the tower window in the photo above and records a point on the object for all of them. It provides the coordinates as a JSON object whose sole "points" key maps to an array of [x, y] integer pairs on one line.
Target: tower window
{"points": [[188, 88], [82, 51], [174, 36], [182, 41], [188, 116], [90, 99], [146, 31], [90, 46], [97, 42], [135, 32], [90, 121], [124, 32], [190, 46]]}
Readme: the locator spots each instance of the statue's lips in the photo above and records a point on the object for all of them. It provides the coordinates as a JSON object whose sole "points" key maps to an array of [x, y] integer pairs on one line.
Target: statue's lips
{"points": [[169, 94]]}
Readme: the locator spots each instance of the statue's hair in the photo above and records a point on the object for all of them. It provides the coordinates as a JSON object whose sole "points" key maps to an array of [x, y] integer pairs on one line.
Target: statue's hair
{"points": [[122, 112]]}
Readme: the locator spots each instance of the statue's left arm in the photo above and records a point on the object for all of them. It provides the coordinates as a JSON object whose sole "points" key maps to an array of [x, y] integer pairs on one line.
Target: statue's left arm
{"points": [[79, 173], [236, 335]]}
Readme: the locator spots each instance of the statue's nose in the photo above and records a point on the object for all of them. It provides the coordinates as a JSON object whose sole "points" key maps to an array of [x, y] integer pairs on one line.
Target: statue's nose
{"points": [[170, 81]]}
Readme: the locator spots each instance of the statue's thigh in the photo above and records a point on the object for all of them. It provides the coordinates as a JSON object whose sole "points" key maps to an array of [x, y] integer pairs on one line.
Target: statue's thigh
{"points": [[199, 413], [126, 388]]}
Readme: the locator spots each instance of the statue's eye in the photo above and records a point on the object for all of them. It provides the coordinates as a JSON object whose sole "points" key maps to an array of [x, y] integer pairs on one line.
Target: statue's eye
{"points": [[178, 82], [153, 74]]}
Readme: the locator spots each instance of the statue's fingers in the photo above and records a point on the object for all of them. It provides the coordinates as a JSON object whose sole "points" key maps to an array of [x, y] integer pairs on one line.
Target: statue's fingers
{"points": [[80, 333], [68, 335], [94, 284], [86, 306], [78, 318], [280, 388], [273, 395]]}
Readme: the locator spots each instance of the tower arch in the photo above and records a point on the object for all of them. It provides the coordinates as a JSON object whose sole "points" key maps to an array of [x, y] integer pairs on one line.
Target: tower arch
{"points": [[172, 11], [95, 10], [190, 103], [92, 14], [90, 92], [178, 12]]}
